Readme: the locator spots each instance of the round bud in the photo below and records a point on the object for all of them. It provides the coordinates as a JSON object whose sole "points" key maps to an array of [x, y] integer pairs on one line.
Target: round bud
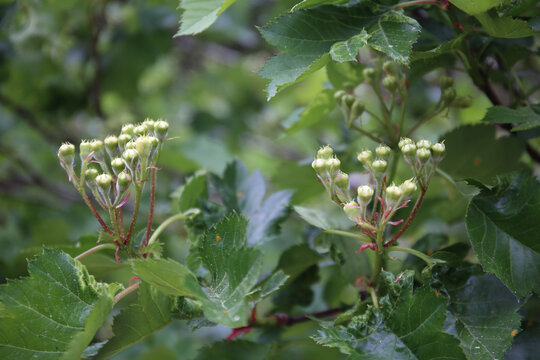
{"points": [[426, 144], [423, 155], [439, 150], [342, 181], [123, 181], [338, 95], [130, 155], [111, 142], [390, 83], [365, 157], [449, 94], [127, 129], [446, 82], [66, 153], [357, 108], [379, 166], [97, 146], [85, 149], [325, 152], [348, 100], [143, 145], [140, 130], [365, 193], [149, 123], [118, 165], [319, 165], [408, 150], [91, 174], [393, 195], [352, 210], [333, 163], [130, 145], [408, 187], [390, 67], [404, 141], [462, 102], [104, 181], [161, 128], [383, 151], [123, 139], [369, 74]]}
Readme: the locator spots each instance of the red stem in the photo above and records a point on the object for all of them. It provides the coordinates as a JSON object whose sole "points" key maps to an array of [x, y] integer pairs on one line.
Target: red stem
{"points": [[151, 211], [409, 219], [134, 218], [98, 217]]}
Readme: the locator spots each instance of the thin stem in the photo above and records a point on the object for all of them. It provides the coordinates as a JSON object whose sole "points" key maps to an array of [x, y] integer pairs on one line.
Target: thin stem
{"points": [[409, 219], [348, 234], [373, 115], [169, 221], [364, 132], [94, 249], [135, 213], [373, 296], [151, 211], [416, 253], [418, 2], [94, 211], [126, 292], [377, 266]]}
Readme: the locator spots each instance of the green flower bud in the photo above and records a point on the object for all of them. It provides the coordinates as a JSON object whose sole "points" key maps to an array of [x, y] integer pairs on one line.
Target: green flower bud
{"points": [[144, 145], [124, 139], [409, 150], [111, 142], [348, 100], [423, 155], [325, 152], [393, 195], [383, 151], [390, 67], [342, 181], [462, 102], [338, 95], [379, 166], [66, 153], [97, 146], [390, 83], [85, 149], [408, 187], [118, 165], [91, 174], [320, 165], [439, 151], [333, 164], [369, 74], [404, 141], [161, 128], [149, 123], [130, 145], [130, 155], [357, 108], [446, 82], [365, 193], [365, 157], [123, 181], [104, 181], [448, 95], [140, 130], [426, 144], [352, 210], [128, 129]]}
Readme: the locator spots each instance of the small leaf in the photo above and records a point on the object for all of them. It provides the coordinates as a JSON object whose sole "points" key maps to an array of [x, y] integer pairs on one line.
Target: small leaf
{"points": [[316, 111], [269, 286], [188, 196], [55, 312], [348, 50], [198, 15], [525, 118], [503, 228]]}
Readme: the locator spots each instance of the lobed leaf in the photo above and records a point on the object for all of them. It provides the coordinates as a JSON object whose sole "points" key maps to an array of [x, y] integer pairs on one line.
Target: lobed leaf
{"points": [[524, 118]]}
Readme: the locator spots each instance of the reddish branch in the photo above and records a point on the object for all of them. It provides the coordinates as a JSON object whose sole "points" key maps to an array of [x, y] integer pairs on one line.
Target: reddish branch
{"points": [[151, 211], [409, 219]]}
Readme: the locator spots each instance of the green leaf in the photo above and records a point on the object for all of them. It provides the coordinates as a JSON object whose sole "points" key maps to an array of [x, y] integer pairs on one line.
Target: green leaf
{"points": [[198, 15], [505, 27], [406, 326], [55, 312], [265, 222], [316, 111], [475, 7], [348, 50], [485, 315], [168, 276], [338, 74], [443, 48], [323, 219], [525, 345], [525, 118], [188, 196], [473, 152], [503, 228], [306, 37], [306, 4], [134, 323], [269, 285], [234, 350]]}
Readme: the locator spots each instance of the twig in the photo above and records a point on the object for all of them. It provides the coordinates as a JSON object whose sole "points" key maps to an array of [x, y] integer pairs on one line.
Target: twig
{"points": [[94, 249], [151, 211], [409, 219]]}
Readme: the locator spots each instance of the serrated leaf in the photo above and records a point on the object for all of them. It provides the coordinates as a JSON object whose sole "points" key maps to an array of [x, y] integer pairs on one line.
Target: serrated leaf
{"points": [[55, 312], [473, 152], [485, 314], [503, 228], [323, 219], [505, 27], [443, 48], [198, 15], [476, 6], [525, 118], [314, 112], [338, 74], [306, 4], [307, 36], [134, 323], [188, 196], [348, 50], [269, 286], [234, 350], [406, 326]]}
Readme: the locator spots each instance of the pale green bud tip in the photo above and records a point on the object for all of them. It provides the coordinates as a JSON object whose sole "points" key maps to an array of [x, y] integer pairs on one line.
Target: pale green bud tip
{"points": [[404, 141], [128, 129], [124, 139], [423, 154], [118, 164], [130, 144], [334, 163], [365, 157], [319, 164], [161, 127], [144, 145], [111, 142], [124, 179], [379, 166], [130, 154], [104, 180], [97, 145], [390, 82], [351, 209], [426, 144], [91, 174], [325, 152], [393, 193], [438, 149], [343, 180], [408, 149], [66, 150], [408, 187], [339, 94], [149, 123], [140, 130], [85, 148], [383, 151], [365, 192]]}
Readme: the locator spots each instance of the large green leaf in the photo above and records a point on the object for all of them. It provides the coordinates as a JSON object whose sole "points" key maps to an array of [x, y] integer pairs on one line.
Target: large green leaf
{"points": [[134, 323], [524, 118], [306, 4], [406, 326], [504, 27], [55, 312], [475, 7], [473, 152], [306, 37], [442, 48], [503, 228], [234, 350], [484, 315], [198, 15]]}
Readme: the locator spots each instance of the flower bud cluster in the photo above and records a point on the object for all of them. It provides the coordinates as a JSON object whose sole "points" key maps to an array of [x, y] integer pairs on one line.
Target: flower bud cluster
{"points": [[423, 157], [336, 182], [449, 97], [351, 107], [378, 166]]}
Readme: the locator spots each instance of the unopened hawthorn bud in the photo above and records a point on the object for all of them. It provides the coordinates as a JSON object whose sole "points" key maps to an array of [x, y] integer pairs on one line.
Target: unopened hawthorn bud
{"points": [[123, 181], [365, 157], [390, 83], [91, 174], [439, 151], [409, 150], [320, 165], [149, 123], [140, 130], [379, 166], [325, 152], [357, 109], [446, 82], [161, 127], [408, 187], [118, 165], [342, 181], [130, 145], [123, 139], [390, 67], [426, 144], [85, 149], [338, 95], [144, 145], [423, 155], [104, 181], [97, 146], [66, 153], [404, 141], [365, 192], [333, 164], [352, 210], [369, 74], [393, 195], [348, 100], [111, 143], [130, 155], [127, 129], [448, 95], [383, 151], [462, 102]]}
